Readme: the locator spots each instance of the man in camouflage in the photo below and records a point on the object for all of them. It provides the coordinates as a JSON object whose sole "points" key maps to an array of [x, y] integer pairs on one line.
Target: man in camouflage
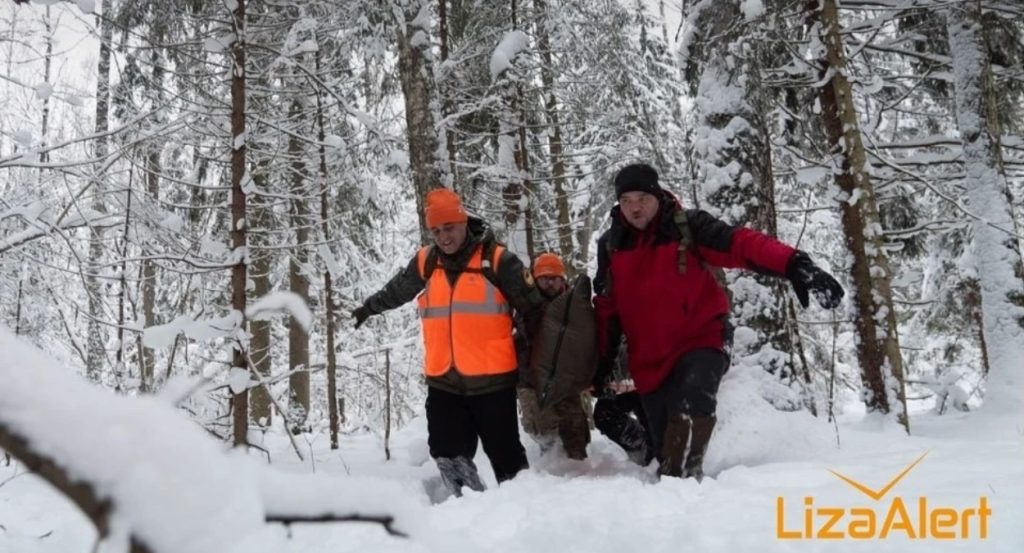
{"points": [[565, 419]]}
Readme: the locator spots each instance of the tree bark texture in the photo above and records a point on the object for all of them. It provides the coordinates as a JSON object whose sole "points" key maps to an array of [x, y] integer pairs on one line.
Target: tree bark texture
{"points": [[240, 400], [878, 350], [298, 261], [97, 335], [414, 70]]}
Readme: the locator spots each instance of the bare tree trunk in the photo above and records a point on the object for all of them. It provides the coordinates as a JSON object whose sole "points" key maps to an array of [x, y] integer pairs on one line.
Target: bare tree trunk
{"points": [[122, 297], [97, 336], [878, 349], [447, 103], [558, 177], [513, 159], [298, 338], [329, 307], [17, 312], [147, 360], [44, 155], [387, 404], [154, 167], [239, 361], [585, 231], [261, 355], [523, 163], [996, 250], [414, 70]]}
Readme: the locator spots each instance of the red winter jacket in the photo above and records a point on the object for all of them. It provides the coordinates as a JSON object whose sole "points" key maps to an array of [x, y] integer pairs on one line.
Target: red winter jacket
{"points": [[662, 312]]}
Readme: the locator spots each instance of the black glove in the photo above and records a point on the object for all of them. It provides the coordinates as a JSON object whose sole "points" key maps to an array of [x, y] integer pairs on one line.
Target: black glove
{"points": [[360, 315], [602, 376], [808, 277]]}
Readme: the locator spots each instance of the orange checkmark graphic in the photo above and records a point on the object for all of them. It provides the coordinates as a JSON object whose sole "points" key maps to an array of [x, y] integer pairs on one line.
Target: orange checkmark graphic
{"points": [[876, 495]]}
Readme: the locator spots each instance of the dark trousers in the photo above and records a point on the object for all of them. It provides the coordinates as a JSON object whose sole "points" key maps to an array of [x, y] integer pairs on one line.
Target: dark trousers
{"points": [[455, 423], [690, 389], [622, 419]]}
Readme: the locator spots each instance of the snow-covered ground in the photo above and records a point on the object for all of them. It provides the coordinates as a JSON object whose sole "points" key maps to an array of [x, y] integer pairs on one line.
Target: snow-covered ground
{"points": [[607, 504]]}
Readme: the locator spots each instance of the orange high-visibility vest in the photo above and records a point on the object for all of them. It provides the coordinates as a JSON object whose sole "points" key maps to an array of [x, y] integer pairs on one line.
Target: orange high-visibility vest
{"points": [[468, 327]]}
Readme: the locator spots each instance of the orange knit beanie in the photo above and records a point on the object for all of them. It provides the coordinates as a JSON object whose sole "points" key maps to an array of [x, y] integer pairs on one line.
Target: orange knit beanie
{"points": [[548, 265], [443, 206]]}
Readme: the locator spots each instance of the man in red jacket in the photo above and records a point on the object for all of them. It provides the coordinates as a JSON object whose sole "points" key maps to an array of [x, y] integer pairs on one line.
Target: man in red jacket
{"points": [[655, 285]]}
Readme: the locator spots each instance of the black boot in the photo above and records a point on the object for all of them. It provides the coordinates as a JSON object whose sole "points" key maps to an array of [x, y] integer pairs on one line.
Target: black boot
{"points": [[700, 435], [674, 445], [613, 417], [457, 472]]}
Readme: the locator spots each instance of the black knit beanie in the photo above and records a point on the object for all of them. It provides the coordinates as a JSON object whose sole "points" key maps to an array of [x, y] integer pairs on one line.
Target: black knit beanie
{"points": [[638, 177]]}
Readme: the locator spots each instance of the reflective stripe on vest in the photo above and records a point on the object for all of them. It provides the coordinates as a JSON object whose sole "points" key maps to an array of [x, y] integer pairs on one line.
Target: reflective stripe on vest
{"points": [[468, 327]]}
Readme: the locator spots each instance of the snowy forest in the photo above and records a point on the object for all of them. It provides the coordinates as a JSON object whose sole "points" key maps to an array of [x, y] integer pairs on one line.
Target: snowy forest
{"points": [[195, 196]]}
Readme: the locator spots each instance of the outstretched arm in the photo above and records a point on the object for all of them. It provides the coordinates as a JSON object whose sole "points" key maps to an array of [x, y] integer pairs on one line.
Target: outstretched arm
{"points": [[725, 245], [732, 247], [402, 288]]}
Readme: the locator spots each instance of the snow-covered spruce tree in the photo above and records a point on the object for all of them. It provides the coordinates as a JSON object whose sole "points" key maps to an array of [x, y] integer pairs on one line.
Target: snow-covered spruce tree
{"points": [[734, 160], [878, 351], [1000, 269]]}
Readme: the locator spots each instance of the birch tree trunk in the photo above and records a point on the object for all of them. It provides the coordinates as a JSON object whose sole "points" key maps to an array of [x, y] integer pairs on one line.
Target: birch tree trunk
{"points": [[996, 250], [239, 361], [878, 351], [97, 335]]}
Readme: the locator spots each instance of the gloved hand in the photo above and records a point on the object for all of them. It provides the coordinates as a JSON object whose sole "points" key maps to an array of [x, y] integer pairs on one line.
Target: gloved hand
{"points": [[360, 315], [602, 376], [808, 277]]}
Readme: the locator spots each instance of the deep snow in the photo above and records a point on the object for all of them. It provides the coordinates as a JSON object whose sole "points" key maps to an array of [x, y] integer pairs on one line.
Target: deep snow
{"points": [[603, 504]]}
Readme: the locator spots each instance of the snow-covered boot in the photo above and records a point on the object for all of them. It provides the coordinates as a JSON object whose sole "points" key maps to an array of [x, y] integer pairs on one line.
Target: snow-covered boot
{"points": [[674, 445], [700, 435], [457, 472]]}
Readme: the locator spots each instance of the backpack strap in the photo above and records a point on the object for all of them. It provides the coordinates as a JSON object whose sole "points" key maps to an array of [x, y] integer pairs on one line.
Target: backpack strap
{"points": [[686, 243], [427, 259], [685, 237], [490, 257]]}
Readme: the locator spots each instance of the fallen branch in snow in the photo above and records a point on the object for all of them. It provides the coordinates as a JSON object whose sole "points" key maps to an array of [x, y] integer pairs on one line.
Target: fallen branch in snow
{"points": [[135, 463], [95, 509], [386, 521]]}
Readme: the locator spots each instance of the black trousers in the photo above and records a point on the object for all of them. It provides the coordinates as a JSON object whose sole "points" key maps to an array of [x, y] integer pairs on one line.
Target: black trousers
{"points": [[455, 423], [690, 389], [622, 419]]}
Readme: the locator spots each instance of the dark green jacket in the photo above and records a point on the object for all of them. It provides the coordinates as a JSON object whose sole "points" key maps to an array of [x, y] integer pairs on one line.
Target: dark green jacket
{"points": [[521, 294]]}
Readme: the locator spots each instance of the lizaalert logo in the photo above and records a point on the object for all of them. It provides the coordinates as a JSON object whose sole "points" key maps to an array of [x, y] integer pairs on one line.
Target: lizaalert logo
{"points": [[883, 517]]}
